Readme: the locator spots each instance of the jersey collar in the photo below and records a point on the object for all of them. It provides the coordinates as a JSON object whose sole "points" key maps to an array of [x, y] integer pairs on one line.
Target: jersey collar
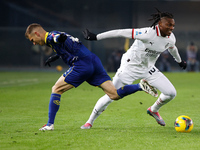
{"points": [[158, 31], [45, 40]]}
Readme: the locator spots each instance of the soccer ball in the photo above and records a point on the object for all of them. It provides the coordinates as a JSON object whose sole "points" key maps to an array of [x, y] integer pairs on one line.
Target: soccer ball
{"points": [[183, 124]]}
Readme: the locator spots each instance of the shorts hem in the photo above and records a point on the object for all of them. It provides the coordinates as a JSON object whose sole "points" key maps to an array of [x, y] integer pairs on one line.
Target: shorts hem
{"points": [[70, 84], [103, 82]]}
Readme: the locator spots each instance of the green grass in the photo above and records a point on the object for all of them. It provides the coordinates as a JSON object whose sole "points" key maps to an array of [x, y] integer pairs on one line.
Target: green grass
{"points": [[124, 125]]}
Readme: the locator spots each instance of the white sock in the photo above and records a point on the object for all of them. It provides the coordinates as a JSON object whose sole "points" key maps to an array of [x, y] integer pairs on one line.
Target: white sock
{"points": [[100, 106], [162, 100]]}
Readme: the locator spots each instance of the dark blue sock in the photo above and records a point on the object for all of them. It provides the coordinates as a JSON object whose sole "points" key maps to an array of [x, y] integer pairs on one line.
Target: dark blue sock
{"points": [[128, 89], [54, 105]]}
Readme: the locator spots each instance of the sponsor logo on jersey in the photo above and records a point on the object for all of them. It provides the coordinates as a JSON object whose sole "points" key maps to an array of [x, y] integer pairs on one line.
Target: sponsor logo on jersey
{"points": [[152, 53]]}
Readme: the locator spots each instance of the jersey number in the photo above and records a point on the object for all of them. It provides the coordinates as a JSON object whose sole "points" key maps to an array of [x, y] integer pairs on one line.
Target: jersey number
{"points": [[152, 71]]}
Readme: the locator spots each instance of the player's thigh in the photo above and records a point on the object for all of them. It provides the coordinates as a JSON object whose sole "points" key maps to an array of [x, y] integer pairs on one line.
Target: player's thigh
{"points": [[61, 86], [124, 77], [117, 82], [162, 83]]}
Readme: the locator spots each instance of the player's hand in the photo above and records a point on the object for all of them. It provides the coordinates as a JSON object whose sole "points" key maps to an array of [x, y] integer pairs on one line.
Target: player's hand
{"points": [[89, 35], [183, 64], [62, 38], [51, 59]]}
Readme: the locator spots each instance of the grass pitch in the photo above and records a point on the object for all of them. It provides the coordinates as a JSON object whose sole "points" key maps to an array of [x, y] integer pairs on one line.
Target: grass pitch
{"points": [[124, 125]]}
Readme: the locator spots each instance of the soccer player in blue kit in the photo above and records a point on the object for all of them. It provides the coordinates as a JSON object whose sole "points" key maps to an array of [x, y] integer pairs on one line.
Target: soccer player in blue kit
{"points": [[84, 66]]}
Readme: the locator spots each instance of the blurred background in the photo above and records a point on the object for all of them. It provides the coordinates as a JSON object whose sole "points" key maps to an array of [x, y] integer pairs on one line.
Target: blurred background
{"points": [[18, 53]]}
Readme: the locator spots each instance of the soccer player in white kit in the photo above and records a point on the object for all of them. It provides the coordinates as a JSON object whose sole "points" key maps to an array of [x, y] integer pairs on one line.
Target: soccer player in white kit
{"points": [[139, 62]]}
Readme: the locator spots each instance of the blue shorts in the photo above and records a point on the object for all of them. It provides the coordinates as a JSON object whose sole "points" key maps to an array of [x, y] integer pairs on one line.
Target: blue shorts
{"points": [[88, 69]]}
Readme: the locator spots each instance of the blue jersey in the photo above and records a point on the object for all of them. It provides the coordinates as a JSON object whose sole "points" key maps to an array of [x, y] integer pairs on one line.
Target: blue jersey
{"points": [[68, 50]]}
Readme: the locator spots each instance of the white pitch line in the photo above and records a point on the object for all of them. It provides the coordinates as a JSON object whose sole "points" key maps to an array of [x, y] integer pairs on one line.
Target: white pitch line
{"points": [[19, 82]]}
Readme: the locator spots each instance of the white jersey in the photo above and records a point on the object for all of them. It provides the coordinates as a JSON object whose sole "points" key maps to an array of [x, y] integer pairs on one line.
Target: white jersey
{"points": [[147, 47]]}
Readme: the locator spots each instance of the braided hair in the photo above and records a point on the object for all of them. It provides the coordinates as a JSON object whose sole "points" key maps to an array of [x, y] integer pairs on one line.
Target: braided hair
{"points": [[157, 16]]}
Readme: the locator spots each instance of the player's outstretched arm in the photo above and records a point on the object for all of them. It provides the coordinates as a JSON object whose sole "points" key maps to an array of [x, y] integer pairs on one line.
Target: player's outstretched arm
{"points": [[183, 64], [89, 35], [51, 59], [126, 33], [174, 52]]}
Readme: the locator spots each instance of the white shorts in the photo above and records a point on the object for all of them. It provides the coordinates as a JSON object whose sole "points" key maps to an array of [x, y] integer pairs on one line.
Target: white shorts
{"points": [[128, 73]]}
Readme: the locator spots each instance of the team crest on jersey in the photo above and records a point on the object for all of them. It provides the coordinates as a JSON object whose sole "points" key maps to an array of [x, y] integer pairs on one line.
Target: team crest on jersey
{"points": [[137, 32]]}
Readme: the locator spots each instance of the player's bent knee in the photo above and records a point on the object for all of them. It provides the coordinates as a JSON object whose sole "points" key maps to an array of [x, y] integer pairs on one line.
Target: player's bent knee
{"points": [[171, 94], [55, 89]]}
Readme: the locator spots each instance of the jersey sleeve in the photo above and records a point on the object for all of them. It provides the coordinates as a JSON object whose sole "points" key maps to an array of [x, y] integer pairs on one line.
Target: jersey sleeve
{"points": [[174, 52], [173, 49], [126, 33], [140, 33]]}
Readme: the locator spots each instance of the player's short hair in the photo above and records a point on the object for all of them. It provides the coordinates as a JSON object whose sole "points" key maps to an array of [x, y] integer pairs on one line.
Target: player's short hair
{"points": [[30, 28], [157, 17]]}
